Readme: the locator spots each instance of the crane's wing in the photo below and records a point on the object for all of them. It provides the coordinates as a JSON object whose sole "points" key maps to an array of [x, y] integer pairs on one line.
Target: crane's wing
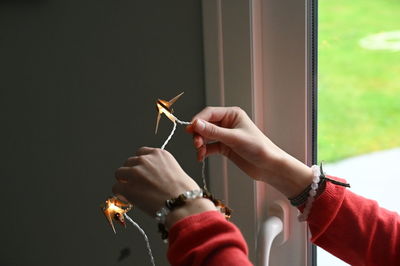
{"points": [[173, 100], [165, 106], [110, 219], [158, 121]]}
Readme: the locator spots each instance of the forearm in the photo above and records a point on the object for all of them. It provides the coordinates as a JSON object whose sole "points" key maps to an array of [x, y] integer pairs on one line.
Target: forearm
{"points": [[285, 173]]}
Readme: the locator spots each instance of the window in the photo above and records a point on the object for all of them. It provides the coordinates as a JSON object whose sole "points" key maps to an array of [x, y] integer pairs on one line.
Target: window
{"points": [[359, 92]]}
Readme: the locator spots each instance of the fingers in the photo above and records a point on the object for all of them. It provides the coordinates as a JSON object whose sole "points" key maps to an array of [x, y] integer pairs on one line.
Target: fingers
{"points": [[216, 123], [210, 114], [220, 148], [138, 159], [124, 174], [131, 161], [211, 131], [144, 151], [118, 189], [217, 115], [217, 147], [201, 153], [213, 148], [131, 167], [198, 141]]}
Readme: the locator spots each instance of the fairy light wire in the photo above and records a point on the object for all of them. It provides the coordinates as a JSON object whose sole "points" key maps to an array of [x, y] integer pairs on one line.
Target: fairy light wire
{"points": [[145, 238], [169, 137], [182, 122], [203, 173], [203, 163], [203, 176]]}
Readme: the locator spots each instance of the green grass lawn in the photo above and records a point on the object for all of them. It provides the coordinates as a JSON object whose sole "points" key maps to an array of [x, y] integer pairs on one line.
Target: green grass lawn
{"points": [[359, 89]]}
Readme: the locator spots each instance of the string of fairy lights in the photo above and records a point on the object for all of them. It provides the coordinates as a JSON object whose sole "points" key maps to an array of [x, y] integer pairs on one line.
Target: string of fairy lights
{"points": [[164, 107]]}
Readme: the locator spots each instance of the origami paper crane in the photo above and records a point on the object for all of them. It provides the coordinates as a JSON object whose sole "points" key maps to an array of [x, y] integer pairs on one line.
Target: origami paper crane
{"points": [[114, 209], [164, 106]]}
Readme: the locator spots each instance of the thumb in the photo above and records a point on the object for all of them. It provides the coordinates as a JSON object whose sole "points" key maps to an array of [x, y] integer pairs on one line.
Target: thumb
{"points": [[212, 132]]}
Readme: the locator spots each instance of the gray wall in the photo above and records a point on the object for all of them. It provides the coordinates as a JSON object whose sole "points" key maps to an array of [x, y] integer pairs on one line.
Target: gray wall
{"points": [[78, 84]]}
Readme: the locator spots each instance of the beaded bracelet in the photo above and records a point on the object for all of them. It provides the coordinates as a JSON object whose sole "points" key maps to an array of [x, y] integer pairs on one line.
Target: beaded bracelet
{"points": [[179, 201], [311, 193], [315, 189], [225, 210], [176, 202]]}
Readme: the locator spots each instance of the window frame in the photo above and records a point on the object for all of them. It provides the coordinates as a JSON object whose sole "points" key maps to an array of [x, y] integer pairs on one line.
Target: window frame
{"points": [[261, 55]]}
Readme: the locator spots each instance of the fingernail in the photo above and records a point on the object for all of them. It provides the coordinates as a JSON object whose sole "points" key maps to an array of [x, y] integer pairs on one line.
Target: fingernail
{"points": [[200, 125], [121, 198], [123, 180]]}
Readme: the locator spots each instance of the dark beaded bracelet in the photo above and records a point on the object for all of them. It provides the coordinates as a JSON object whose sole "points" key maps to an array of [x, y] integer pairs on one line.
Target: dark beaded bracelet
{"points": [[218, 203], [179, 201], [176, 202], [303, 196]]}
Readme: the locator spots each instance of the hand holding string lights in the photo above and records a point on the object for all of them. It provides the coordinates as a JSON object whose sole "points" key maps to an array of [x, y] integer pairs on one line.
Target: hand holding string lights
{"points": [[153, 176], [114, 209]]}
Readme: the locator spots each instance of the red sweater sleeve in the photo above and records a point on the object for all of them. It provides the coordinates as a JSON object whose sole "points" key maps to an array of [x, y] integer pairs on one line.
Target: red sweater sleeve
{"points": [[355, 229], [206, 239]]}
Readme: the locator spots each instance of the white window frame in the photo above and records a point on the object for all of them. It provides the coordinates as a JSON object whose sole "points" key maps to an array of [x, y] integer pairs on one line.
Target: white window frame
{"points": [[258, 56]]}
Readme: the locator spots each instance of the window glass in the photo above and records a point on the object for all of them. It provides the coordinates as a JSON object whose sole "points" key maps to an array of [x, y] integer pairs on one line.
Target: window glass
{"points": [[359, 98]]}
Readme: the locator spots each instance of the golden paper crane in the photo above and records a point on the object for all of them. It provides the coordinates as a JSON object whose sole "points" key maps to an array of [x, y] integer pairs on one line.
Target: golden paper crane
{"points": [[114, 209], [164, 106]]}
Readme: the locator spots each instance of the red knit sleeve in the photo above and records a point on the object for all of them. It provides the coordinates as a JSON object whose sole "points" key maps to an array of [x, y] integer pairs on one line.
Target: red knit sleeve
{"points": [[206, 239], [355, 229]]}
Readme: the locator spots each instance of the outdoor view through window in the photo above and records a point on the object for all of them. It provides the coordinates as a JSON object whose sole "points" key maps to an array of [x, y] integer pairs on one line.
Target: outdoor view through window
{"points": [[359, 98]]}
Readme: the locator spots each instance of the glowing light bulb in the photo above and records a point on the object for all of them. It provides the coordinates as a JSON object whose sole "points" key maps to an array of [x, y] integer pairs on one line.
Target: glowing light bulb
{"points": [[114, 209]]}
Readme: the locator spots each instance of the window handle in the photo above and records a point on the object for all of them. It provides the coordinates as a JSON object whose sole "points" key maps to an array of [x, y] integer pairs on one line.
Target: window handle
{"points": [[276, 224], [272, 227]]}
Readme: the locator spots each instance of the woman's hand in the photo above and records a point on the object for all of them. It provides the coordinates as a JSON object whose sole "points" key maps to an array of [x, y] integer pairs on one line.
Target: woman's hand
{"points": [[153, 176], [230, 132]]}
